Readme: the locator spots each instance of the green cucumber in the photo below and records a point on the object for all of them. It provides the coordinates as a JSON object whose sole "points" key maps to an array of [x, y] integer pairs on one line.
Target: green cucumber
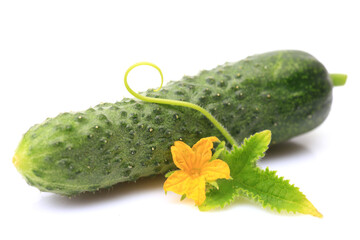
{"points": [[287, 92]]}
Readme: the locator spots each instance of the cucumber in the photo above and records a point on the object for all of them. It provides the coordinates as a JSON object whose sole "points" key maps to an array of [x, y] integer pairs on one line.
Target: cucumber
{"points": [[287, 92]]}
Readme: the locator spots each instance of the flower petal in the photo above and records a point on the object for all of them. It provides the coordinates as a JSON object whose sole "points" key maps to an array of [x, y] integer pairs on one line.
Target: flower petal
{"points": [[177, 182], [183, 155], [196, 190], [202, 151], [215, 169]]}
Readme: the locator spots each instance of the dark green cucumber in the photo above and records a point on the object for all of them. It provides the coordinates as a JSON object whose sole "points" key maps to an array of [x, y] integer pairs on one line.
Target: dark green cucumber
{"points": [[287, 92]]}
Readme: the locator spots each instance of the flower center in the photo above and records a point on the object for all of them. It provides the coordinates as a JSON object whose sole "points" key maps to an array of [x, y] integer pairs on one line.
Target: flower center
{"points": [[195, 172]]}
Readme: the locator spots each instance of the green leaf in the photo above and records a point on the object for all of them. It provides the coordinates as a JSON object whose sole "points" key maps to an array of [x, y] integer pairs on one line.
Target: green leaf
{"points": [[183, 197], [260, 185], [214, 184], [218, 150], [168, 174]]}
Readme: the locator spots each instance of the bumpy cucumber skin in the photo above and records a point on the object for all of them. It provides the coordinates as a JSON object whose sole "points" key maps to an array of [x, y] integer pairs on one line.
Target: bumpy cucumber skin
{"points": [[287, 92]]}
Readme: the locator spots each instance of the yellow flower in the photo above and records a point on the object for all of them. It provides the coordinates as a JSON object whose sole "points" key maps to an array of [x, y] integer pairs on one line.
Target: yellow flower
{"points": [[195, 169]]}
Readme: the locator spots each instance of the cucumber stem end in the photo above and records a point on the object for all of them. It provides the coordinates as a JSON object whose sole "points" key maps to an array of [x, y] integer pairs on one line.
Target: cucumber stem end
{"points": [[338, 79]]}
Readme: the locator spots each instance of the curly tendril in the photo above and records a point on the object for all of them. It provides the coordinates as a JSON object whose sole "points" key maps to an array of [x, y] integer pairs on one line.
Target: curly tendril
{"points": [[218, 125]]}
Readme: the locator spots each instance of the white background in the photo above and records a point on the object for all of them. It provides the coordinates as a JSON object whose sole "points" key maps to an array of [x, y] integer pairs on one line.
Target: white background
{"points": [[58, 56]]}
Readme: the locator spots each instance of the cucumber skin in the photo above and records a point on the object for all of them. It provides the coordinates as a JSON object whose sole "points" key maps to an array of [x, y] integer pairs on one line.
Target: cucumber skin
{"points": [[287, 92]]}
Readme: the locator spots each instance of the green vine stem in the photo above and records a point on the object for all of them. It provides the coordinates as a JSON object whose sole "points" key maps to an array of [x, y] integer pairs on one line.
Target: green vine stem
{"points": [[218, 125]]}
